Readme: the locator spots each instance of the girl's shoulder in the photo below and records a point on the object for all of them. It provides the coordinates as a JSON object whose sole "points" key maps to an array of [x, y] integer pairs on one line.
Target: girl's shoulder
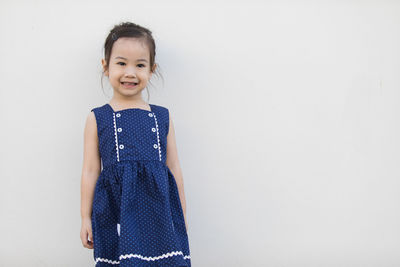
{"points": [[161, 108], [97, 108]]}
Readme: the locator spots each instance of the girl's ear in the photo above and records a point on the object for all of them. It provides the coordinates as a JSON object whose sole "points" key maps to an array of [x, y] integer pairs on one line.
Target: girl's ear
{"points": [[154, 67], [103, 62]]}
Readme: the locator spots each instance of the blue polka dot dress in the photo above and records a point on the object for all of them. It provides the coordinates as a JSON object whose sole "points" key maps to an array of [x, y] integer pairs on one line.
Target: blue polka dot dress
{"points": [[137, 218]]}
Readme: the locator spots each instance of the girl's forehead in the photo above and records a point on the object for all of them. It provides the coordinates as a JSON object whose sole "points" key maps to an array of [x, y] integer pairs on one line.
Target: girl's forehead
{"points": [[129, 48]]}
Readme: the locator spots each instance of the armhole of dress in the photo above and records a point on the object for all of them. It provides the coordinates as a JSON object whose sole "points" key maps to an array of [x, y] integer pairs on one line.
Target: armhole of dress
{"points": [[97, 125], [98, 136]]}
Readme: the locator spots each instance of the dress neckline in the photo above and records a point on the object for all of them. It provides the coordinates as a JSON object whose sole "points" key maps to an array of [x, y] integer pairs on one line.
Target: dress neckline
{"points": [[151, 108]]}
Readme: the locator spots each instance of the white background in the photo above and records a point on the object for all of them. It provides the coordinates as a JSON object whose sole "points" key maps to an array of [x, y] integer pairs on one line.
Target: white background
{"points": [[286, 116]]}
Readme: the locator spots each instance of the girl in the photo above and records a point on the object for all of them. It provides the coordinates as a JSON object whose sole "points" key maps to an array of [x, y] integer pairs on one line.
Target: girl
{"points": [[133, 209]]}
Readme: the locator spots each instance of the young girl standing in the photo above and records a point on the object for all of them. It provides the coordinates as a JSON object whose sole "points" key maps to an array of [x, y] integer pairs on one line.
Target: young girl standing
{"points": [[133, 209]]}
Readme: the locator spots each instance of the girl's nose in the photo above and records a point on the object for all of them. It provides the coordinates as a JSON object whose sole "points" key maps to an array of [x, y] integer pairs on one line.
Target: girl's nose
{"points": [[130, 74], [130, 71]]}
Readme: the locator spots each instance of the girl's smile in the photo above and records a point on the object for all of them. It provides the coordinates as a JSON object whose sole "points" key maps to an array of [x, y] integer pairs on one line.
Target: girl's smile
{"points": [[129, 85]]}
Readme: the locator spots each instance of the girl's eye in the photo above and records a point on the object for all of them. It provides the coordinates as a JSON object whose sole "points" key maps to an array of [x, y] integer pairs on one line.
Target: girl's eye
{"points": [[140, 65]]}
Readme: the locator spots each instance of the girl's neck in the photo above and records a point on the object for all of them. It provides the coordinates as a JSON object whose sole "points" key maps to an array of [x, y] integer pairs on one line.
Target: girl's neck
{"points": [[128, 103]]}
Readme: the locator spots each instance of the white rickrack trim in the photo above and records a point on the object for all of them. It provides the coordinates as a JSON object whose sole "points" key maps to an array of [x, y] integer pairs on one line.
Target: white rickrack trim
{"points": [[105, 260], [166, 255], [127, 256], [158, 136], [116, 137]]}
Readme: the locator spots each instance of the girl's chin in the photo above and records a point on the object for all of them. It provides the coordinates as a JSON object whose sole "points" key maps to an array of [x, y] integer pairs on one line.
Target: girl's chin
{"points": [[129, 92]]}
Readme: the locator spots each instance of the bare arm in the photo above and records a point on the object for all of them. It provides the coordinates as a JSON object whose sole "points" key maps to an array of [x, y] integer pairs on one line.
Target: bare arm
{"points": [[91, 166], [172, 162]]}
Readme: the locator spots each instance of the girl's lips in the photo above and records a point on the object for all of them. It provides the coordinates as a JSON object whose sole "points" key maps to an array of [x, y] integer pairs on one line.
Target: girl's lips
{"points": [[129, 85]]}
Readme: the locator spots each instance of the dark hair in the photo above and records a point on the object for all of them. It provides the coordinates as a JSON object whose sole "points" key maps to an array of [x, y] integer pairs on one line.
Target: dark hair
{"points": [[129, 29]]}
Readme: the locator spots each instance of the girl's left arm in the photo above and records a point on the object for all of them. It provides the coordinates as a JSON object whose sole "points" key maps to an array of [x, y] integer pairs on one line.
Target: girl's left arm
{"points": [[172, 162]]}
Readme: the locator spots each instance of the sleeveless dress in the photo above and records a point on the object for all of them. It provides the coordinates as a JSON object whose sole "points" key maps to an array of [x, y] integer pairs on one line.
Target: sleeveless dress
{"points": [[137, 217]]}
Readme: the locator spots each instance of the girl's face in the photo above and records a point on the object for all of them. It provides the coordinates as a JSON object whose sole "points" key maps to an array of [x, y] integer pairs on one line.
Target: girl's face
{"points": [[129, 68]]}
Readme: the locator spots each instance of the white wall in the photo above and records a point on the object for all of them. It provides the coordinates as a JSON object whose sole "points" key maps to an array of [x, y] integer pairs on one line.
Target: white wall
{"points": [[286, 116]]}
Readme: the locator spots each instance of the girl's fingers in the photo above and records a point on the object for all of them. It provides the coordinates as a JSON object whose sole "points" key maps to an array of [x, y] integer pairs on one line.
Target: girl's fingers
{"points": [[84, 238], [89, 244]]}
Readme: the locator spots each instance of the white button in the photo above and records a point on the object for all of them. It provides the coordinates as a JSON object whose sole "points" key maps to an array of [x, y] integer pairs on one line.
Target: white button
{"points": [[155, 146], [118, 115], [153, 129], [121, 146], [150, 114], [119, 130]]}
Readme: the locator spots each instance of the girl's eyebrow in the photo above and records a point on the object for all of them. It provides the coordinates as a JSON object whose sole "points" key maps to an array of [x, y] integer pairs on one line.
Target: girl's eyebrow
{"points": [[142, 59]]}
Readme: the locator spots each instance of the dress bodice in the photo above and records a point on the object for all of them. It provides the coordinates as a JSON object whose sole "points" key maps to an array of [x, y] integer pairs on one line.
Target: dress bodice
{"points": [[132, 134]]}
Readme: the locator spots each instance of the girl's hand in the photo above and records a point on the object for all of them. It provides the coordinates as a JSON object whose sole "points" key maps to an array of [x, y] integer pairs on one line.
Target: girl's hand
{"points": [[86, 230]]}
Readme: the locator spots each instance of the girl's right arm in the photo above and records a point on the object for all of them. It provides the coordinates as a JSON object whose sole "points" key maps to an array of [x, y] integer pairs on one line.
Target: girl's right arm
{"points": [[90, 173]]}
